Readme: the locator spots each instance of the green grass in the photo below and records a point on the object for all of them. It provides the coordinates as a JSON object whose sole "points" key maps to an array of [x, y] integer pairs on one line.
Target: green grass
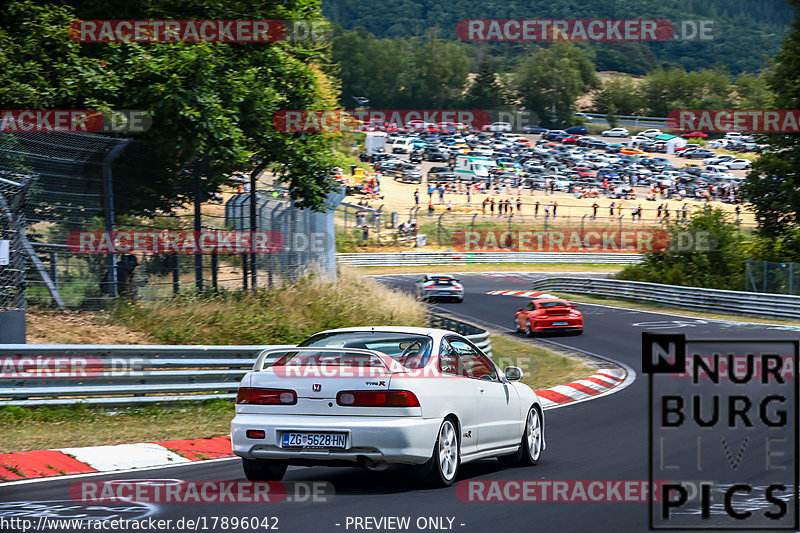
{"points": [[542, 368], [281, 315], [39, 428]]}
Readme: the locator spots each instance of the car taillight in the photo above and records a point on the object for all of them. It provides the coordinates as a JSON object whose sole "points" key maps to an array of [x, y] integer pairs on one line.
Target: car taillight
{"points": [[370, 398], [254, 396], [456, 286]]}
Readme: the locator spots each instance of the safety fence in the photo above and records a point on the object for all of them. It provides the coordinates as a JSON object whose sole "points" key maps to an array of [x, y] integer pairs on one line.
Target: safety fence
{"points": [[467, 258], [53, 374], [713, 300]]}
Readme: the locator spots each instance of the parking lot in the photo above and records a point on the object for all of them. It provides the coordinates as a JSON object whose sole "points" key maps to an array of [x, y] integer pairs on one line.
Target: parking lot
{"points": [[524, 166]]}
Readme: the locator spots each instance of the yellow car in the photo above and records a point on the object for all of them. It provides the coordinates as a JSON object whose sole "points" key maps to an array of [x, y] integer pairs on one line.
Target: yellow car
{"points": [[632, 151]]}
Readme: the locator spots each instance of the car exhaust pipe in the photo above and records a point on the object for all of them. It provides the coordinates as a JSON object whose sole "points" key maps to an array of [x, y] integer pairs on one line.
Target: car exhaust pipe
{"points": [[373, 466]]}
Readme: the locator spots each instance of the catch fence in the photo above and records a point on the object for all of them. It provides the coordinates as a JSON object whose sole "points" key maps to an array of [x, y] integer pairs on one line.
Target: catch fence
{"points": [[62, 186]]}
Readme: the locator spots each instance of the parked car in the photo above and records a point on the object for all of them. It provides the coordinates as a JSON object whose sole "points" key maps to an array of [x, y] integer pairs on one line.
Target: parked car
{"points": [[736, 164], [695, 135], [615, 132], [533, 130], [577, 130], [651, 133], [434, 154], [431, 400], [500, 126], [700, 153], [441, 174]]}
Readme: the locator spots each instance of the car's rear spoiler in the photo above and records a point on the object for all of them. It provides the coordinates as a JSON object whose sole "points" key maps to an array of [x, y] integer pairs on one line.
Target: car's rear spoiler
{"points": [[269, 356]]}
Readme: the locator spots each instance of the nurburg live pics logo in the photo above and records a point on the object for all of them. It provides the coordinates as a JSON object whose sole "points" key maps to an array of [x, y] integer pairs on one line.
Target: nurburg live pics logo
{"points": [[725, 442]]}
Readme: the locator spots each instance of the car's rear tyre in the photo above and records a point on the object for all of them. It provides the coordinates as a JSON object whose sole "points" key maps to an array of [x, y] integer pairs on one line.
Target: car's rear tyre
{"points": [[263, 470], [530, 448], [529, 331], [446, 457], [517, 329]]}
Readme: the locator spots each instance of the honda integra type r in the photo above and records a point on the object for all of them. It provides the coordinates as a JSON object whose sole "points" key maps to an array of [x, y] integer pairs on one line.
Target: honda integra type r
{"points": [[375, 396]]}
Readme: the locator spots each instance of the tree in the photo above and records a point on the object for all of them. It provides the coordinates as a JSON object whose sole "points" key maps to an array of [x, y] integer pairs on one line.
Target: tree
{"points": [[773, 185], [622, 92], [611, 117], [550, 82], [718, 264], [207, 100], [486, 91]]}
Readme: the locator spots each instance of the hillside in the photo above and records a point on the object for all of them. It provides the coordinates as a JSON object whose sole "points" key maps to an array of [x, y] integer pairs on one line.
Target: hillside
{"points": [[744, 30]]}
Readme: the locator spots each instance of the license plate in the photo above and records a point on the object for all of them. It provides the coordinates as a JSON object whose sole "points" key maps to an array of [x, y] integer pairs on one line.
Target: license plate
{"points": [[560, 323], [314, 440]]}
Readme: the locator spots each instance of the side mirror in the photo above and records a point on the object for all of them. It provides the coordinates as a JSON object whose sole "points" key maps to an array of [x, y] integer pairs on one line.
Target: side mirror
{"points": [[513, 373], [520, 309]]}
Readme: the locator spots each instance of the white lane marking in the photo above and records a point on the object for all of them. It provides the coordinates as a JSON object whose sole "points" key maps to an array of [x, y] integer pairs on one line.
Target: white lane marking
{"points": [[113, 458]]}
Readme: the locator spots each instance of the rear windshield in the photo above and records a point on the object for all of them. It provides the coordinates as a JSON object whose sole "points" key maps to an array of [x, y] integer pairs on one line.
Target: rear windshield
{"points": [[553, 304], [443, 281], [410, 350]]}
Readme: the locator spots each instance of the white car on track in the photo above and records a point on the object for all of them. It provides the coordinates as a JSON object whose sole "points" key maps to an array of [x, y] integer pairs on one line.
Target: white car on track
{"points": [[374, 396]]}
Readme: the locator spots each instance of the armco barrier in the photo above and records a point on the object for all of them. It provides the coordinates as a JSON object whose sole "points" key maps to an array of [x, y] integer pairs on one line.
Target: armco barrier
{"points": [[133, 374], [466, 258], [713, 300]]}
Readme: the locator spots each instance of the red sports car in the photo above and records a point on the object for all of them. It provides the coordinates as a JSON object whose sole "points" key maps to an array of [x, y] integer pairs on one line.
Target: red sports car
{"points": [[695, 135], [548, 314]]}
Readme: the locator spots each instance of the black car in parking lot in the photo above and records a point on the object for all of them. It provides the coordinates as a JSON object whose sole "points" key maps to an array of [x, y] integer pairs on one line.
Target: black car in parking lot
{"points": [[441, 174], [434, 154]]}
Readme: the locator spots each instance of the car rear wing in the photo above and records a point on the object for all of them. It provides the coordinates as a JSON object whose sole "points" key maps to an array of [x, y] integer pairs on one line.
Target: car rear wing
{"points": [[271, 356]]}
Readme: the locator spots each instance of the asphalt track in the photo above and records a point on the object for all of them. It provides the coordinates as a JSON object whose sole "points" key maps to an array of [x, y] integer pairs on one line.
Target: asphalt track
{"points": [[602, 439]]}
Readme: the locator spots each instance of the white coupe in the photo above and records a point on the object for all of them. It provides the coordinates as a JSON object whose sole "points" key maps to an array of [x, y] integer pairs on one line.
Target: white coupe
{"points": [[375, 396]]}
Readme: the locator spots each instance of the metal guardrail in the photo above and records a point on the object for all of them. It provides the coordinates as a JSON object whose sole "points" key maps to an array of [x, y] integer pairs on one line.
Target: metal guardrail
{"points": [[714, 300], [477, 335], [61, 374], [466, 258]]}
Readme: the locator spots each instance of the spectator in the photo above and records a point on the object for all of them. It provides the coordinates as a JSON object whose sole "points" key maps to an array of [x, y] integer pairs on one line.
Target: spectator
{"points": [[594, 210], [441, 194], [547, 209], [555, 206], [416, 197], [684, 211], [519, 204], [491, 206], [430, 207], [659, 210], [536, 209], [483, 205], [738, 211], [611, 209], [449, 205]]}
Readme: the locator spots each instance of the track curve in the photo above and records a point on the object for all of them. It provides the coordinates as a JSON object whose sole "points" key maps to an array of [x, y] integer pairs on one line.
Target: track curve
{"points": [[602, 439]]}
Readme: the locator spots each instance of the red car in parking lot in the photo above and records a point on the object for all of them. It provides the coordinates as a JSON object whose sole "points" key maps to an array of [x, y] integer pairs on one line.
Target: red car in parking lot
{"points": [[548, 314]]}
